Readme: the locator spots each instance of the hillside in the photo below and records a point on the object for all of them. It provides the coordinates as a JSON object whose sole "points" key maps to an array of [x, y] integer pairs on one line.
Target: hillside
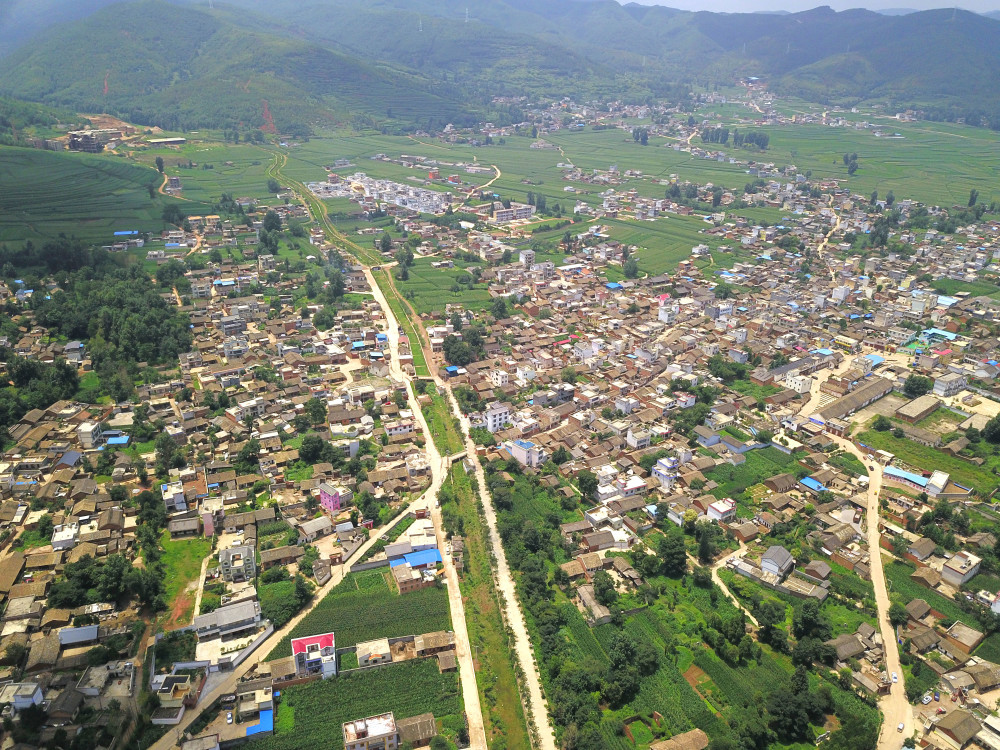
{"points": [[210, 69]]}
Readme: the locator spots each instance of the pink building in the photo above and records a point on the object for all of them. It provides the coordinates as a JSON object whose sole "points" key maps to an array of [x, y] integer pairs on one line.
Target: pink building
{"points": [[334, 499]]}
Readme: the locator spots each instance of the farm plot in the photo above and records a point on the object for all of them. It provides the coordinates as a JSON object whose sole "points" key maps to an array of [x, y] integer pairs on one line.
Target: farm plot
{"points": [[362, 607], [407, 689]]}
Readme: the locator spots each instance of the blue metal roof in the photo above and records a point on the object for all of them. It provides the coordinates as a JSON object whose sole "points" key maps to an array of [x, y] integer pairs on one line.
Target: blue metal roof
{"points": [[526, 444], [812, 484], [266, 723], [909, 476], [123, 440], [613, 285], [418, 559]]}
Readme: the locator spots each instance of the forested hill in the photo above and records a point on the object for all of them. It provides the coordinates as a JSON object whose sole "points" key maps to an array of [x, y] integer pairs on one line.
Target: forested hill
{"points": [[423, 63], [178, 67]]}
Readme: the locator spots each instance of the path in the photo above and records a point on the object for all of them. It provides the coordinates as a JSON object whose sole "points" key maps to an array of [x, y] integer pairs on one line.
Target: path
{"points": [[725, 589], [439, 469], [895, 707], [201, 583], [228, 685]]}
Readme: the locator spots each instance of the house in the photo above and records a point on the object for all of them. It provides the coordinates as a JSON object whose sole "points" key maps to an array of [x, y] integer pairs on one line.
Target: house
{"points": [[722, 511], [315, 654], [961, 568], [236, 564], [333, 499], [373, 652], [958, 726], [960, 640], [696, 739], [21, 694], [417, 730], [921, 549], [280, 556], [847, 646], [430, 644], [918, 609], [777, 560], [314, 529], [374, 733], [228, 621], [525, 452]]}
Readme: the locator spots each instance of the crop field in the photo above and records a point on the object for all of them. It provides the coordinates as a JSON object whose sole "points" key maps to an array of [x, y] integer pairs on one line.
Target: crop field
{"points": [[759, 465], [319, 708], [43, 194], [363, 607], [980, 478], [442, 423], [432, 287]]}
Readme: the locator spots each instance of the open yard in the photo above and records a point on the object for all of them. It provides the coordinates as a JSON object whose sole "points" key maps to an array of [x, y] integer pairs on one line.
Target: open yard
{"points": [[363, 607], [182, 560]]}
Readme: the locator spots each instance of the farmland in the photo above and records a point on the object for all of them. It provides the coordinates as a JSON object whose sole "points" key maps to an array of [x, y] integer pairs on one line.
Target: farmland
{"points": [[182, 565], [362, 607], [43, 194], [430, 289], [759, 465], [444, 429], [407, 689]]}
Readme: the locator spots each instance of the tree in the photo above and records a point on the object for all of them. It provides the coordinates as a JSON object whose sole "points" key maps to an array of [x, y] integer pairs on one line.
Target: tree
{"points": [[159, 166], [672, 553], [723, 290], [499, 308], [568, 374], [706, 549], [917, 385], [991, 432], [882, 423], [273, 186], [898, 615], [973, 196], [586, 482], [385, 244], [631, 269], [311, 448], [272, 221], [604, 588], [315, 409]]}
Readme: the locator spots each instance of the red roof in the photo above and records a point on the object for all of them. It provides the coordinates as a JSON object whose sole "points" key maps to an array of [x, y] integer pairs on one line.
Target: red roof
{"points": [[299, 645]]}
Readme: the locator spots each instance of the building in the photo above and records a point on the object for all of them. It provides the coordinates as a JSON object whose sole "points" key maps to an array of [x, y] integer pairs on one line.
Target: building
{"points": [[228, 621], [722, 511], [961, 568], [173, 497], [497, 416], [374, 733], [315, 654], [237, 564], [950, 384], [333, 499], [373, 652], [90, 436], [525, 453], [918, 409], [777, 560]]}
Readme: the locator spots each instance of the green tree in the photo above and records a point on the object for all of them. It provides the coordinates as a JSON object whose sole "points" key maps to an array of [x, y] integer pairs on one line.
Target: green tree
{"points": [[917, 385], [898, 615], [159, 165], [673, 553], [499, 308], [586, 482], [272, 221], [882, 423], [631, 268], [973, 196]]}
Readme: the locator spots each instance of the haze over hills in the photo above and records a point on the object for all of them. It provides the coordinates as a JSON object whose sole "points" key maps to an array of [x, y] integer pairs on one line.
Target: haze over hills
{"points": [[422, 63]]}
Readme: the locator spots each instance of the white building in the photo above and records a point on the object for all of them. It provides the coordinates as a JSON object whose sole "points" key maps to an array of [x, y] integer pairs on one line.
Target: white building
{"points": [[961, 568], [525, 452], [173, 496], [722, 511], [497, 416], [90, 435]]}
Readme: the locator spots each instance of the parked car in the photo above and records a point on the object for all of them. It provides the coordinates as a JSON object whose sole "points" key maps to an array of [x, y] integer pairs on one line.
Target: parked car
{"points": [[900, 727], [926, 699], [937, 695], [895, 677], [229, 717]]}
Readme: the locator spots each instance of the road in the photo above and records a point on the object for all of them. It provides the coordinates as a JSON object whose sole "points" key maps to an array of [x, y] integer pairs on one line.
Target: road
{"points": [[439, 471], [172, 738], [725, 589], [895, 707], [537, 709]]}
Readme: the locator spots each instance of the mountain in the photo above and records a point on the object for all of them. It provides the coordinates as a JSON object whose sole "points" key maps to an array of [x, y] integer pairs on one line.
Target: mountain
{"points": [[180, 67], [423, 63]]}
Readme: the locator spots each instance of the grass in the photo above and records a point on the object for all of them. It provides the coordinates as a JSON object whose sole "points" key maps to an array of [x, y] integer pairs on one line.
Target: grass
{"points": [[407, 689], [431, 288], [362, 607], [759, 465], [975, 288], [442, 424], [968, 475], [495, 675], [850, 463], [44, 193], [182, 560]]}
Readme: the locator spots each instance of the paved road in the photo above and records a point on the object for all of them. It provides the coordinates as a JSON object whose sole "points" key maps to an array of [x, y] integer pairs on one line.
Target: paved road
{"points": [[439, 470]]}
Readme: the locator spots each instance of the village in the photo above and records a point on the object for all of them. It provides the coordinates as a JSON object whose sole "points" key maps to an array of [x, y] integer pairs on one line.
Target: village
{"points": [[817, 417]]}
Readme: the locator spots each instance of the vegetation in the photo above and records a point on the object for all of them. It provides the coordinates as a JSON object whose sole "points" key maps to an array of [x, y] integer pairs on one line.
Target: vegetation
{"points": [[362, 607]]}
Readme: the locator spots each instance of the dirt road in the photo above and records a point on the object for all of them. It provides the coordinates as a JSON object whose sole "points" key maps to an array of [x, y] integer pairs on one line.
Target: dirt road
{"points": [[439, 471], [720, 563]]}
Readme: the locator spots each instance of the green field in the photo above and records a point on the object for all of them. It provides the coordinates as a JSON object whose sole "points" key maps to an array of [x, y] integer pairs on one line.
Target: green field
{"points": [[980, 478], [44, 193], [182, 560], [446, 434], [759, 465], [432, 287], [319, 708], [362, 607]]}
